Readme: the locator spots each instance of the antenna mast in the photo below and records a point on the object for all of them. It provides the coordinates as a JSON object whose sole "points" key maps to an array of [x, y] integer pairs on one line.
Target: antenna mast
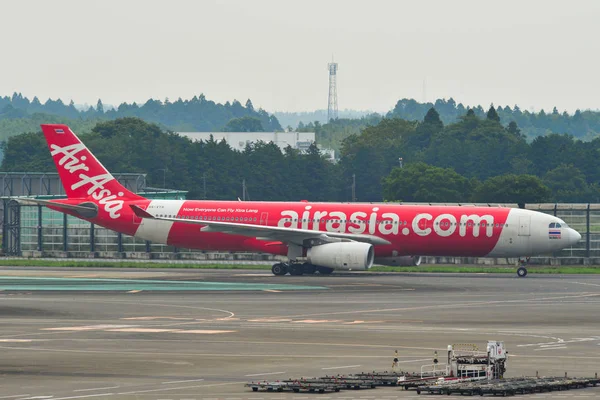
{"points": [[332, 107]]}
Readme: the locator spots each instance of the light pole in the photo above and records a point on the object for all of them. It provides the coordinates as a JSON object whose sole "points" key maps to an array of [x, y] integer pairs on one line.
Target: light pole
{"points": [[400, 161]]}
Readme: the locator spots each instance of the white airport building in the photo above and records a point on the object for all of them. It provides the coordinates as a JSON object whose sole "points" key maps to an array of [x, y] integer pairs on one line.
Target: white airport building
{"points": [[239, 140]]}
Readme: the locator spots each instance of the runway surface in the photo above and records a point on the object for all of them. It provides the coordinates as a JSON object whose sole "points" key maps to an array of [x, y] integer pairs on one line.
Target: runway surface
{"points": [[158, 334]]}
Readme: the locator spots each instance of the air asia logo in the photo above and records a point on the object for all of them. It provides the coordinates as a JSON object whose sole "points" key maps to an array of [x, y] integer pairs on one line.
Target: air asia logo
{"points": [[360, 222], [71, 163]]}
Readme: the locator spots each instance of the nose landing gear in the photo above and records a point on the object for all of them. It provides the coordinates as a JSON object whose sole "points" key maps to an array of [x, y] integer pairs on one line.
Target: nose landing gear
{"points": [[522, 270]]}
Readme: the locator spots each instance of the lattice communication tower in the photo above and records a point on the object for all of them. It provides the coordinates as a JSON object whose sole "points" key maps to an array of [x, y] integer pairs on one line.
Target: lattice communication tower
{"points": [[332, 108]]}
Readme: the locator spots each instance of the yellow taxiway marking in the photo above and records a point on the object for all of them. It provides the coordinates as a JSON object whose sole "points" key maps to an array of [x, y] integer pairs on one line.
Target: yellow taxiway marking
{"points": [[270, 320], [88, 328], [317, 321], [134, 291], [204, 331], [153, 318], [142, 330], [272, 290]]}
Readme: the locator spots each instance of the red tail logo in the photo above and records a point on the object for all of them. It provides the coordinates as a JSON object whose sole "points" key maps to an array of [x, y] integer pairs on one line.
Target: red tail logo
{"points": [[81, 174]]}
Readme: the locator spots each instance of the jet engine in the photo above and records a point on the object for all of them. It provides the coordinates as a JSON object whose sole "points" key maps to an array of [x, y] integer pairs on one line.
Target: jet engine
{"points": [[400, 261], [342, 255]]}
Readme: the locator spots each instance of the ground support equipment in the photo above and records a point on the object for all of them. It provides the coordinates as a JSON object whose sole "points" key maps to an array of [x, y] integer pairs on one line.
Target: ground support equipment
{"points": [[384, 378], [507, 387], [339, 382], [267, 386]]}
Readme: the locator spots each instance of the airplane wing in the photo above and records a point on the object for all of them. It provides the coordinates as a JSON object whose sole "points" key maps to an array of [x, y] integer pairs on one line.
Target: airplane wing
{"points": [[288, 235]]}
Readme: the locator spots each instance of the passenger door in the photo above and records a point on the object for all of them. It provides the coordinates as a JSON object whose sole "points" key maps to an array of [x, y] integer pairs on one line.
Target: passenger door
{"points": [[524, 225]]}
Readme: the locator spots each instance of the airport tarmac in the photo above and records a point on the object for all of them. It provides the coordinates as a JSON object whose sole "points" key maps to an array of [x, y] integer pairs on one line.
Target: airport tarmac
{"points": [[202, 334]]}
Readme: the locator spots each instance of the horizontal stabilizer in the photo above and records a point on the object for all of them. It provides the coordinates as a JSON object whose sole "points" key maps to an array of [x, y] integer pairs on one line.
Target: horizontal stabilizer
{"points": [[140, 212], [85, 209]]}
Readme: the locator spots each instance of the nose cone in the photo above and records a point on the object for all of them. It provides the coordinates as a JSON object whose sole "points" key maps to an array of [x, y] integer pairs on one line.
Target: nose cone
{"points": [[574, 236]]}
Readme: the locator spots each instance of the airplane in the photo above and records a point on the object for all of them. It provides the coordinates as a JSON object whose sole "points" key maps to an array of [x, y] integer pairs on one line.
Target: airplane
{"points": [[313, 237]]}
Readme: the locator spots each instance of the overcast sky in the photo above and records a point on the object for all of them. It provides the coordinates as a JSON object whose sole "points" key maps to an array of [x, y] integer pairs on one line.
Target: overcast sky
{"points": [[537, 54]]}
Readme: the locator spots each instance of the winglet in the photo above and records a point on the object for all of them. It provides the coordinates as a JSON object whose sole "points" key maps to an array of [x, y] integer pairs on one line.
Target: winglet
{"points": [[140, 212]]}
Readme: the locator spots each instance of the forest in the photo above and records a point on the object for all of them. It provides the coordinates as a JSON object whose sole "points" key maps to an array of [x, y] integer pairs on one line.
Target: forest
{"points": [[195, 115], [475, 159], [18, 115]]}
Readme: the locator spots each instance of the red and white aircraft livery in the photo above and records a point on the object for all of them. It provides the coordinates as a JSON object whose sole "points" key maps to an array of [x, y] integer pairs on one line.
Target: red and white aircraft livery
{"points": [[315, 237]]}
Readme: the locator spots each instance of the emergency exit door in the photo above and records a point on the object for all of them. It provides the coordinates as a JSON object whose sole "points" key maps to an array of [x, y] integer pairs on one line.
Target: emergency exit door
{"points": [[264, 218], [524, 225]]}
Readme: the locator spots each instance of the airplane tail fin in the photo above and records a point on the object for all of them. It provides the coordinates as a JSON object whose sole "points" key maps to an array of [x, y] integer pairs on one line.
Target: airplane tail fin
{"points": [[81, 174]]}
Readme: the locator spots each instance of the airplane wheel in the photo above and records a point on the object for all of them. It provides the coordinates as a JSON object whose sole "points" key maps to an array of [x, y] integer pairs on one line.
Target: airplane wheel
{"points": [[296, 270], [279, 269], [522, 272], [309, 268], [325, 270]]}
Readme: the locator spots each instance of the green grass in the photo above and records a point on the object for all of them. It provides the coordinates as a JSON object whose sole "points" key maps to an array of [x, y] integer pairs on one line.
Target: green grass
{"points": [[123, 264], [564, 269], [575, 269]]}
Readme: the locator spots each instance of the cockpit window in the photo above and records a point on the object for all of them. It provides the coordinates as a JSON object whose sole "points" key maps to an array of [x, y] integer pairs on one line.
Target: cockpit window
{"points": [[557, 225], [552, 225]]}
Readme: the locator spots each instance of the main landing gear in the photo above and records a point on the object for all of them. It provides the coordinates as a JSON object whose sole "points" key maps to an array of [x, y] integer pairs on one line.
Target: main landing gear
{"points": [[298, 269], [522, 271]]}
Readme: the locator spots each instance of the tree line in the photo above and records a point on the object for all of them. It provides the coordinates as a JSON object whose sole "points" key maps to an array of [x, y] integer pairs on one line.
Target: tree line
{"points": [[197, 114], [582, 124], [472, 160], [133, 145]]}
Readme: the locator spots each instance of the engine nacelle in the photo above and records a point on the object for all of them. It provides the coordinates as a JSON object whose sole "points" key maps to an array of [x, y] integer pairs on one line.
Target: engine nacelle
{"points": [[400, 261], [342, 255]]}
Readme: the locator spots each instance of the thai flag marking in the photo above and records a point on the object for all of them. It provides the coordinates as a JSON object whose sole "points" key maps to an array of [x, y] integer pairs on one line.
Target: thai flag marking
{"points": [[59, 131], [554, 234]]}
